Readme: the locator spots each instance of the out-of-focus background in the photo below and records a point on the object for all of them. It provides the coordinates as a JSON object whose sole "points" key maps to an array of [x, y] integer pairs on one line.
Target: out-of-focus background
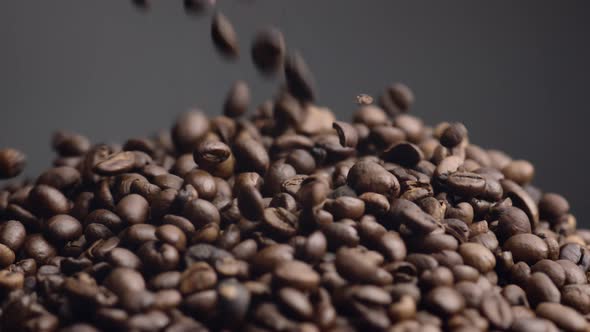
{"points": [[516, 73]]}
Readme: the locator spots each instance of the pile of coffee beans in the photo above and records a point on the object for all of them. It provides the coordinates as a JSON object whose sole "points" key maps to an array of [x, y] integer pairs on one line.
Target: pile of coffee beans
{"points": [[282, 218]]}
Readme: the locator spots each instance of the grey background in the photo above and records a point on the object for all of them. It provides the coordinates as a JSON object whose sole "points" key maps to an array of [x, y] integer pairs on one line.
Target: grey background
{"points": [[515, 72]]}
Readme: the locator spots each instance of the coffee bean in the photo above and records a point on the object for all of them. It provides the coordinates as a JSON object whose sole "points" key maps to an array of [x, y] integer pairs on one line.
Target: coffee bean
{"points": [[478, 256], [197, 6], [300, 80], [38, 248], [512, 221], [280, 221], [526, 247], [552, 269], [190, 127], [521, 199], [118, 163], [552, 206], [12, 163], [465, 183], [352, 265], [251, 156], [268, 50], [121, 257], [12, 234], [268, 258], [564, 317], [224, 36], [519, 171], [445, 300], [412, 216], [124, 280], [237, 100], [296, 274], [62, 178], [133, 209], [63, 228], [397, 98], [234, 302], [453, 135], [497, 310], [540, 288], [404, 153], [48, 201], [200, 212], [197, 277]]}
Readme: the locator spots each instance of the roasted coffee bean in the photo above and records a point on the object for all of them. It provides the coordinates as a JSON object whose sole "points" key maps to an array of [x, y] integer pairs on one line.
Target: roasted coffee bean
{"points": [[540, 288], [12, 234], [296, 274], [512, 221], [63, 228], [397, 98], [251, 156], [347, 134], [38, 248], [552, 269], [577, 254], [118, 163], [224, 36], [465, 184], [368, 176], [497, 310], [200, 212], [412, 216], [268, 50], [124, 280], [478, 256], [354, 266], [197, 6], [564, 317], [405, 154], [133, 209], [47, 201], [233, 302], [445, 300], [552, 206], [519, 171], [12, 163], [158, 256], [121, 257], [197, 277], [453, 135], [526, 247], [190, 127], [237, 100]]}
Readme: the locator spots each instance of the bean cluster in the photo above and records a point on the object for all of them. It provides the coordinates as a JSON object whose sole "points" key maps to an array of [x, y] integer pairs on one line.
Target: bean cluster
{"points": [[287, 219]]}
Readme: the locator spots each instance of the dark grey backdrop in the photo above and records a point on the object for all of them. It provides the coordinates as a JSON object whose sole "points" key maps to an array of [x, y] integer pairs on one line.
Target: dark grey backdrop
{"points": [[515, 72]]}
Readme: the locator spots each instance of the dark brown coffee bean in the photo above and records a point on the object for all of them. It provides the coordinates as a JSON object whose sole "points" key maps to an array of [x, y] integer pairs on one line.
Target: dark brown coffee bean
{"points": [[197, 277], [478, 256], [62, 178], [63, 228], [552, 269], [552, 206], [397, 98], [12, 163], [7, 256], [465, 183], [354, 266], [104, 217], [12, 234], [521, 199], [296, 274], [445, 301], [197, 6], [347, 134], [404, 153], [233, 302], [158, 256], [123, 280], [519, 171], [453, 135], [118, 163], [497, 310], [577, 254], [38, 248], [200, 212], [340, 234], [577, 297], [268, 258], [224, 36], [237, 100], [280, 221], [512, 221], [190, 127], [251, 156], [300, 80], [573, 273], [412, 216], [526, 247], [121, 257], [540, 288], [564, 317], [172, 235], [47, 201], [268, 50], [70, 144], [133, 209]]}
